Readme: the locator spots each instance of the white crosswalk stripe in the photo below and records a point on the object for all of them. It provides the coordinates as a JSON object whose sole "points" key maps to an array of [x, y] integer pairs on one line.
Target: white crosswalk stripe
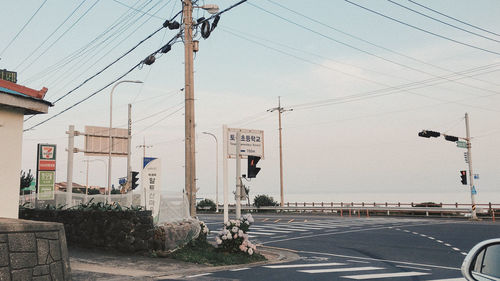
{"points": [[385, 275], [304, 265], [342, 269]]}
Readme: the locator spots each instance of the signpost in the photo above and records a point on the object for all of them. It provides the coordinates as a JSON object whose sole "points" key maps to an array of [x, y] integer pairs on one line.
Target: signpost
{"points": [[151, 184], [46, 171], [461, 144]]}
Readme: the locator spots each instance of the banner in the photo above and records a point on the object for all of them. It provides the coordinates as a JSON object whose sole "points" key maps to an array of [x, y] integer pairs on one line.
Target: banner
{"points": [[46, 171], [151, 184]]}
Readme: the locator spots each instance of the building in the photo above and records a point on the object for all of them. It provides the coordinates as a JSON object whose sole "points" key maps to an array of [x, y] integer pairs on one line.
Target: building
{"points": [[16, 101]]}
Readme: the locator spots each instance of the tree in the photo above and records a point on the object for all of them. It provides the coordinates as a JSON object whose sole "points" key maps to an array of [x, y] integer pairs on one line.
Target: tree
{"points": [[206, 205], [264, 200], [26, 180], [93, 191]]}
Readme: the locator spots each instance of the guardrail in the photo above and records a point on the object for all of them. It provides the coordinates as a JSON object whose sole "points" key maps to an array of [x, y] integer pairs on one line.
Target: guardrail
{"points": [[364, 209]]}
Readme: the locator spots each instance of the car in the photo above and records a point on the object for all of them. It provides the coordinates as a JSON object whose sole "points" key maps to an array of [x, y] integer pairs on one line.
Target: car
{"points": [[482, 263]]}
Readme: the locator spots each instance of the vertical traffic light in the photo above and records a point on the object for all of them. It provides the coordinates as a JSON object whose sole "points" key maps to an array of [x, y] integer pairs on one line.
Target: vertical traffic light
{"points": [[135, 179], [253, 170], [463, 175]]}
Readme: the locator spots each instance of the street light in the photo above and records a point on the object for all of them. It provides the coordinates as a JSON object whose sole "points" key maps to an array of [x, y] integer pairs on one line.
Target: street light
{"points": [[110, 143], [210, 8], [216, 171]]}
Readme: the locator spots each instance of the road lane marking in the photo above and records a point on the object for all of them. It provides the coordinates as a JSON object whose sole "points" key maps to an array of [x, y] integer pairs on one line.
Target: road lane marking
{"points": [[423, 235], [304, 265], [456, 249], [358, 261], [464, 253], [415, 233], [385, 275], [291, 220], [450, 279], [281, 236], [240, 269], [277, 220], [344, 269], [198, 275], [439, 241], [266, 219], [271, 230], [432, 238], [381, 260], [413, 267], [446, 244], [259, 233]]}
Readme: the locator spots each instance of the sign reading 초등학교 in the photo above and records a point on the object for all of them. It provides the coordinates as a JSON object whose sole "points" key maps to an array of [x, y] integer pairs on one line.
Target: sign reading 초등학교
{"points": [[251, 142]]}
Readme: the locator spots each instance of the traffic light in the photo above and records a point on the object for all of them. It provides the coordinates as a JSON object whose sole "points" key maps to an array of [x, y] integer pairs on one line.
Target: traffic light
{"points": [[463, 175], [428, 134], [451, 138], [253, 170], [135, 179]]}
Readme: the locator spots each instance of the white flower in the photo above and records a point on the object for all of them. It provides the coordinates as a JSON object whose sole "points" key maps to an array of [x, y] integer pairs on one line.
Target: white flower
{"points": [[234, 229], [229, 237], [224, 237], [243, 248], [250, 218], [238, 223], [218, 241], [227, 223], [205, 229], [240, 233], [250, 251]]}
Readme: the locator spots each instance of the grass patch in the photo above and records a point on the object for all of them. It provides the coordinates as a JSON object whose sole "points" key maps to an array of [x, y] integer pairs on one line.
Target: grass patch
{"points": [[207, 254]]}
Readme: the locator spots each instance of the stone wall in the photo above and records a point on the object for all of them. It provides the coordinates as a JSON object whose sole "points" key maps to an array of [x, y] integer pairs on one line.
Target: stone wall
{"points": [[125, 231], [33, 251]]}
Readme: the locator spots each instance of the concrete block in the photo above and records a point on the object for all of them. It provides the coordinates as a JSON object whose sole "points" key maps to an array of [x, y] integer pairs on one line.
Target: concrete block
{"points": [[22, 242], [53, 235], [4, 274], [55, 250], [22, 275], [4, 255], [56, 271], [22, 260], [43, 250], [41, 270]]}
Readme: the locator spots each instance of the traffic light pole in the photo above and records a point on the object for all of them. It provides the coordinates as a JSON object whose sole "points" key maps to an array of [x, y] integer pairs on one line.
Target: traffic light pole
{"points": [[471, 174], [129, 168], [238, 176]]}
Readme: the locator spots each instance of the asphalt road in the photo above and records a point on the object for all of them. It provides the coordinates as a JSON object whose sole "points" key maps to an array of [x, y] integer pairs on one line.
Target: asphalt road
{"points": [[352, 248]]}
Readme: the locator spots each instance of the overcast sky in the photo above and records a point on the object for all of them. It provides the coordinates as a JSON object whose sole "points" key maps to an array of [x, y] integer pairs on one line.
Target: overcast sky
{"points": [[361, 86]]}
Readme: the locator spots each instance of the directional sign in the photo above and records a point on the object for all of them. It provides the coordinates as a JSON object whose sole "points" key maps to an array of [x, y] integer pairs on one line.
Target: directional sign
{"points": [[474, 192], [461, 144], [251, 142]]}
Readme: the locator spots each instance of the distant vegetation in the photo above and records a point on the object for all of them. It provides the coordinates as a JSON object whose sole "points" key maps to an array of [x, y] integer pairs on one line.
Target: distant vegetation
{"points": [[264, 201], [206, 205]]}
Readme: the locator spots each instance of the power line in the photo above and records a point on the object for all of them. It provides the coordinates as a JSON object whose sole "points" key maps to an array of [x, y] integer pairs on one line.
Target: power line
{"points": [[138, 10], [368, 42], [155, 123], [443, 22], [453, 18], [24, 26], [423, 30], [53, 32], [98, 91]]}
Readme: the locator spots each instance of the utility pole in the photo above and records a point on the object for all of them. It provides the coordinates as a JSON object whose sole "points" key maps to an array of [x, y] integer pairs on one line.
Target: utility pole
{"points": [[143, 146], [471, 174], [129, 168], [280, 110], [69, 177], [190, 165]]}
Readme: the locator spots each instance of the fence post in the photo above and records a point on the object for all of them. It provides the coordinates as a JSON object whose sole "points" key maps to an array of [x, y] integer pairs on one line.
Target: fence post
{"points": [[362, 204], [295, 204], [399, 204], [412, 204], [367, 213], [493, 214], [349, 212], [456, 204]]}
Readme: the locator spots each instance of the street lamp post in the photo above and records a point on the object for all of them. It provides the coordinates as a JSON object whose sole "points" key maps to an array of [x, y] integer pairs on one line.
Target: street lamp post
{"points": [[216, 171], [87, 176], [110, 142]]}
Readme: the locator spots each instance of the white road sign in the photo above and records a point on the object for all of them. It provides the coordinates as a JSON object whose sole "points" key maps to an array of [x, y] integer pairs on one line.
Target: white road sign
{"points": [[251, 142]]}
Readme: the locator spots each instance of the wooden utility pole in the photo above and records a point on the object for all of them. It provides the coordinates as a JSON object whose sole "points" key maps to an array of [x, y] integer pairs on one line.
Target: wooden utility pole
{"points": [[280, 110]]}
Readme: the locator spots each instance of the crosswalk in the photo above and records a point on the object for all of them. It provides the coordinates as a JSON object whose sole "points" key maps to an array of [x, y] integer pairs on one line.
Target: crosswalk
{"points": [[266, 229], [347, 270]]}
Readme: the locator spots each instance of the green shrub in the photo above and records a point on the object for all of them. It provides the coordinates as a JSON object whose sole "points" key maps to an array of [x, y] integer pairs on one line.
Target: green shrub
{"points": [[264, 201], [206, 205]]}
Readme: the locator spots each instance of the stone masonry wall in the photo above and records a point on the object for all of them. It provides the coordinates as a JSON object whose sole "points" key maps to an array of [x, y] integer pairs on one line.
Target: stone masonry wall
{"points": [[32, 250]]}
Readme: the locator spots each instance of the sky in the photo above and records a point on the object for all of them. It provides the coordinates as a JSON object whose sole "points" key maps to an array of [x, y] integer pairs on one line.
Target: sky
{"points": [[362, 77]]}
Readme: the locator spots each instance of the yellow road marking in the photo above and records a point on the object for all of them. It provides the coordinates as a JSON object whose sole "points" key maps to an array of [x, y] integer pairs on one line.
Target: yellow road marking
{"points": [[277, 220], [305, 220], [291, 220], [265, 219]]}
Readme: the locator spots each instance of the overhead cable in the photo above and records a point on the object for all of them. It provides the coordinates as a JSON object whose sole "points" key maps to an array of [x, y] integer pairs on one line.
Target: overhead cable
{"points": [[423, 30]]}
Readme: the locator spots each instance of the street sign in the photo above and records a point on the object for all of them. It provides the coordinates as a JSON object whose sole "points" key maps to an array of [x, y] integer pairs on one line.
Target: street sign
{"points": [[46, 171], [474, 192], [462, 144], [476, 176], [151, 184], [251, 142], [97, 141]]}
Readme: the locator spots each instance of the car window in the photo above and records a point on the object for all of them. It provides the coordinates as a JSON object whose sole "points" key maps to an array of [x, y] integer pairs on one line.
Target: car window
{"points": [[491, 261]]}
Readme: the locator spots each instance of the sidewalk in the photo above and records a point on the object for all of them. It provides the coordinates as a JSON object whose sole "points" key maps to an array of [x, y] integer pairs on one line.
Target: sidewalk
{"points": [[97, 265]]}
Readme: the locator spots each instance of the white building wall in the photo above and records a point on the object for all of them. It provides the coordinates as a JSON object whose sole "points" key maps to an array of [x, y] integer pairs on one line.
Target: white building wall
{"points": [[11, 136]]}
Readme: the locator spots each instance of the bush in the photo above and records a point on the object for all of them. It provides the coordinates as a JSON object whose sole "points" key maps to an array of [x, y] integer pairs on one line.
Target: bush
{"points": [[93, 191], [206, 205], [264, 200], [234, 238]]}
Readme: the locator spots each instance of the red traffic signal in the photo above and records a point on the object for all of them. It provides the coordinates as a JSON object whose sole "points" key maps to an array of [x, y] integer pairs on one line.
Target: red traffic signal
{"points": [[253, 170], [463, 175]]}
